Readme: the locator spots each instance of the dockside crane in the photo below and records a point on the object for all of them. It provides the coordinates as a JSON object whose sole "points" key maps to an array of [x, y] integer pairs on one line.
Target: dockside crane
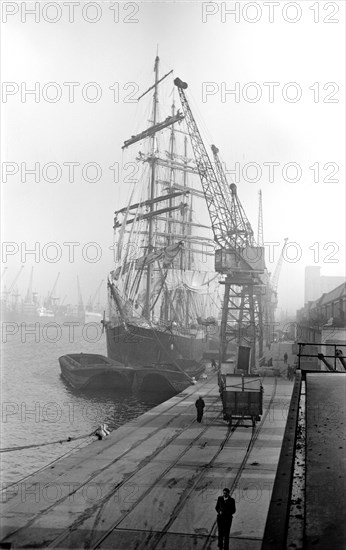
{"points": [[245, 303], [265, 278], [237, 258], [270, 282]]}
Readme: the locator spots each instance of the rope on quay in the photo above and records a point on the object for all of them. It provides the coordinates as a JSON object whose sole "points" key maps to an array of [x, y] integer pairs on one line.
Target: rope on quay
{"points": [[68, 440]]}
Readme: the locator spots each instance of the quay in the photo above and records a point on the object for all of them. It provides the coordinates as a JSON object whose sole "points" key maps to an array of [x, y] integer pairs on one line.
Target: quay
{"points": [[153, 483]]}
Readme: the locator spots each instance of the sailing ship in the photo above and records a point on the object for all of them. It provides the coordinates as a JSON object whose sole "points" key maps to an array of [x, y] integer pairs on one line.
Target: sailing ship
{"points": [[164, 294]]}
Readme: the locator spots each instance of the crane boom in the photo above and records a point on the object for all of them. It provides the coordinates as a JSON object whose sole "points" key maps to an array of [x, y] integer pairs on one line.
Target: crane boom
{"points": [[276, 275], [15, 279], [240, 231], [28, 298], [80, 297], [54, 287], [260, 220], [214, 195], [238, 258], [91, 302]]}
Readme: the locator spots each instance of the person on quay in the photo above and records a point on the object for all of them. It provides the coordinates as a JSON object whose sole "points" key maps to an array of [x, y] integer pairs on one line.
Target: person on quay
{"points": [[225, 508], [285, 358], [200, 408]]}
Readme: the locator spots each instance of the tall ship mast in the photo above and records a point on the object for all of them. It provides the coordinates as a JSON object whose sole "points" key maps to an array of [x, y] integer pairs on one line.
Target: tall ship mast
{"points": [[164, 293]]}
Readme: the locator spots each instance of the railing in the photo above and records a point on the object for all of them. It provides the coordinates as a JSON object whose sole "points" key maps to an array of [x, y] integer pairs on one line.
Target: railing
{"points": [[335, 347]]}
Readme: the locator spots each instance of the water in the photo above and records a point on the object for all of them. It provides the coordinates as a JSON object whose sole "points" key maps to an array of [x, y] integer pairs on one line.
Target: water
{"points": [[38, 406]]}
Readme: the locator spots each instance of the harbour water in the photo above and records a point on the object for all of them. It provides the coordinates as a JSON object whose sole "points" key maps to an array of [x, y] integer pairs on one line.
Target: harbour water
{"points": [[37, 404]]}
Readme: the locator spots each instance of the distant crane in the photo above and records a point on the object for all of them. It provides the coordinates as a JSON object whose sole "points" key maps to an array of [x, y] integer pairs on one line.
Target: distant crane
{"points": [[80, 297], [274, 282], [276, 275], [8, 292], [2, 278], [51, 299], [3, 272], [265, 278], [260, 220], [28, 298], [91, 302]]}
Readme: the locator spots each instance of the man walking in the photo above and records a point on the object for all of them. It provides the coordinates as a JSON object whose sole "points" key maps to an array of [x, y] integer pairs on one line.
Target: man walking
{"points": [[199, 406], [225, 508]]}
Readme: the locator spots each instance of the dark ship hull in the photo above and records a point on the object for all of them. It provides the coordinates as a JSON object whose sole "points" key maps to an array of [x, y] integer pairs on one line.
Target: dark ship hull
{"points": [[138, 344]]}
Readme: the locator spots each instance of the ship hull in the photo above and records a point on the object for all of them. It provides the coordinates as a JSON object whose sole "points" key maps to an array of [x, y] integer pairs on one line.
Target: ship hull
{"points": [[138, 345]]}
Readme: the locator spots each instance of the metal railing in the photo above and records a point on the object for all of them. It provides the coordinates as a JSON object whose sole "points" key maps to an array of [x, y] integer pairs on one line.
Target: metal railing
{"points": [[336, 348]]}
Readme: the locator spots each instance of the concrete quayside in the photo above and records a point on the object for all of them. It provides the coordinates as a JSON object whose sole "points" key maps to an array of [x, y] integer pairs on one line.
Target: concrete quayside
{"points": [[154, 482]]}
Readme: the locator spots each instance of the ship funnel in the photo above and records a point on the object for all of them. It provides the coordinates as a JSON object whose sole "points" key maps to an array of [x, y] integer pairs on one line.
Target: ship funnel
{"points": [[180, 84]]}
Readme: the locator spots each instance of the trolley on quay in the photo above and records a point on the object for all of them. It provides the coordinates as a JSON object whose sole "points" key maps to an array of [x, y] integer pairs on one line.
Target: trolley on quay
{"points": [[242, 397]]}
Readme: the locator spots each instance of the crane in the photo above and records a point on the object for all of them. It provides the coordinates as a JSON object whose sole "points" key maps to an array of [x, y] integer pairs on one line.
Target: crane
{"points": [[260, 220], [8, 292], [274, 282], [28, 298], [276, 275], [51, 298], [265, 278], [92, 300], [2, 278], [3, 272], [245, 305], [237, 258], [80, 297]]}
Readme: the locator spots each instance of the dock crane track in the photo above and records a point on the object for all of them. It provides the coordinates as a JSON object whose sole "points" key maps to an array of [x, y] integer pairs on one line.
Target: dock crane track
{"points": [[255, 433], [99, 506], [157, 537], [230, 431], [95, 474]]}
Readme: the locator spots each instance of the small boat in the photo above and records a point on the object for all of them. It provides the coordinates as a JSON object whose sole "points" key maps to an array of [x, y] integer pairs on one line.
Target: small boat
{"points": [[83, 370]]}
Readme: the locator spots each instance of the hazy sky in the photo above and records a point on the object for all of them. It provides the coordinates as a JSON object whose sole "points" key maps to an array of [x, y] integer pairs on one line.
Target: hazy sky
{"points": [[295, 70]]}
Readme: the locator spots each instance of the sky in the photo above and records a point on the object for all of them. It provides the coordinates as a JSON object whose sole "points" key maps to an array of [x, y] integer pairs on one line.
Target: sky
{"points": [[283, 130]]}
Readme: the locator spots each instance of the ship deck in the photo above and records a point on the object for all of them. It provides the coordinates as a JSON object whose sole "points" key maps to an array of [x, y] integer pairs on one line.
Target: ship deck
{"points": [[154, 482]]}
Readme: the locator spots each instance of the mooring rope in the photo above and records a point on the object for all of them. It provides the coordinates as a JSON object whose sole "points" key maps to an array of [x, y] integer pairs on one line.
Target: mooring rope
{"points": [[68, 440]]}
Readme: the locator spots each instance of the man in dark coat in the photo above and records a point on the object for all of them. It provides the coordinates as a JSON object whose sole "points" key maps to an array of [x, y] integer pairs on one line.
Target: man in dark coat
{"points": [[225, 508], [199, 406]]}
